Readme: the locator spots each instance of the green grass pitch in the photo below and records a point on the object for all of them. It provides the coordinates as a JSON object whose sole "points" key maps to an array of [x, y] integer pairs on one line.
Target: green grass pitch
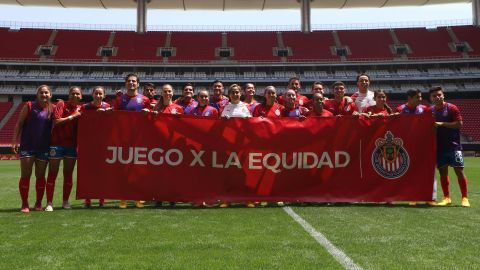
{"points": [[373, 236]]}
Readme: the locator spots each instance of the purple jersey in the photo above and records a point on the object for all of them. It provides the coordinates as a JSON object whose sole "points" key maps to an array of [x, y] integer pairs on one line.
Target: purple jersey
{"points": [[419, 109], [135, 103], [187, 108], [36, 129], [448, 139], [219, 104]]}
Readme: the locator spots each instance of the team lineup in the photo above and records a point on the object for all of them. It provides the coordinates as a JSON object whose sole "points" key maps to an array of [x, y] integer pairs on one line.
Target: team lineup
{"points": [[45, 133]]}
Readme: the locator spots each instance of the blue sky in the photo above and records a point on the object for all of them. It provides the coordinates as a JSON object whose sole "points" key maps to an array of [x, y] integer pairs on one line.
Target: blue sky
{"points": [[450, 12]]}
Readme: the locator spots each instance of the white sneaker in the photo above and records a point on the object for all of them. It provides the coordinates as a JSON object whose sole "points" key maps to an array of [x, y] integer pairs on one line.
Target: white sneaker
{"points": [[49, 208], [66, 205]]}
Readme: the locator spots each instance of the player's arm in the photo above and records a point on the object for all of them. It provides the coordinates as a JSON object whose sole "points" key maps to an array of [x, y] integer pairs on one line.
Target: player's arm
{"points": [[18, 128], [57, 115], [452, 125]]}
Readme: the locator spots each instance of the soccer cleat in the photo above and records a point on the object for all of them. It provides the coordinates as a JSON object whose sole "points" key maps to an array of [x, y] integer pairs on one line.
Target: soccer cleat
{"points": [[38, 207], [250, 205], [465, 202], [431, 203], [66, 205], [412, 203], [25, 209], [224, 205], [264, 204], [139, 204], [122, 205], [446, 201], [281, 204], [49, 208], [101, 203]]}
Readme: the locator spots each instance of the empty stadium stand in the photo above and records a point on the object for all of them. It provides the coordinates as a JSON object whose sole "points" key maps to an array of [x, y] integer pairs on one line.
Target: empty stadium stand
{"points": [[195, 45], [22, 43], [80, 44], [426, 42], [6, 133], [470, 34], [253, 46], [367, 43], [315, 45], [133, 46]]}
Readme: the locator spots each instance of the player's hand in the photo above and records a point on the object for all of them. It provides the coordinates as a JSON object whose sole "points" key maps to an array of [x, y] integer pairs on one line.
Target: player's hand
{"points": [[301, 118], [145, 111], [15, 148], [438, 124], [100, 110]]}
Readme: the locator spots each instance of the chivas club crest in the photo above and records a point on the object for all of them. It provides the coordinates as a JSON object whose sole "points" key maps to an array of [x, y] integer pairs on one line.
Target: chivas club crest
{"points": [[390, 159]]}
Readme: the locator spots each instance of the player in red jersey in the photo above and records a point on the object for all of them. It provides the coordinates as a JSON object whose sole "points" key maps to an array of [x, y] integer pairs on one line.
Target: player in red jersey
{"points": [[269, 108], [97, 104], [165, 104], [187, 101], [291, 109], [132, 100], [150, 91], [63, 145], [381, 108], [317, 106], [203, 109], [218, 100], [294, 84], [339, 105], [449, 149], [33, 126], [413, 105], [363, 97], [249, 94]]}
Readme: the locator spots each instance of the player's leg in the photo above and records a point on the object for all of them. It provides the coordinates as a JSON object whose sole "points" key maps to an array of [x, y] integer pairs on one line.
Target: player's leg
{"points": [[462, 182], [40, 168], [53, 167], [445, 182], [26, 164], [68, 167]]}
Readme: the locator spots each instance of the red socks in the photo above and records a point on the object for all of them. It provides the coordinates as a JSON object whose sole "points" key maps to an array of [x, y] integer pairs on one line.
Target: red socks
{"points": [[23, 187], [445, 181], [67, 186], [462, 182], [50, 187], [40, 188]]}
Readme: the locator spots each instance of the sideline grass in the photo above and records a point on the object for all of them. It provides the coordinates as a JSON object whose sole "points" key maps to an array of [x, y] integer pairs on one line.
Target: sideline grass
{"points": [[375, 237]]}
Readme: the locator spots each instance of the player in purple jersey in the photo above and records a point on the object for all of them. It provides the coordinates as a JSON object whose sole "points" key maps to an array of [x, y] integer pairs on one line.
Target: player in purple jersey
{"points": [[249, 94], [291, 109], [203, 109], [34, 126], [218, 100], [449, 150], [187, 101], [413, 105]]}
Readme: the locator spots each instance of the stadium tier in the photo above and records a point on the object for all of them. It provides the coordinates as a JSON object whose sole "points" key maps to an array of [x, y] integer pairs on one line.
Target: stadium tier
{"points": [[367, 43]]}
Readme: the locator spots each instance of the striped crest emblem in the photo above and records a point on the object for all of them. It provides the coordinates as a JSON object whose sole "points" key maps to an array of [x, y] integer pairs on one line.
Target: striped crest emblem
{"points": [[390, 159]]}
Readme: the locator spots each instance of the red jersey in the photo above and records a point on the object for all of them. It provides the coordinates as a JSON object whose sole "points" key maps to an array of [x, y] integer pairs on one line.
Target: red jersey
{"points": [[65, 134], [324, 113], [296, 111], [339, 108], [204, 111], [263, 110], [300, 100], [375, 110], [172, 109]]}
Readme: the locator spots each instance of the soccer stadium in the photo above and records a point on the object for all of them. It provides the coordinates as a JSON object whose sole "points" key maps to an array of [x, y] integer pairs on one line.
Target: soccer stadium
{"points": [[332, 233]]}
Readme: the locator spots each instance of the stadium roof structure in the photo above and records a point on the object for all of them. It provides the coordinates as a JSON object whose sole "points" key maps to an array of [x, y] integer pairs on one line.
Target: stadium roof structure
{"points": [[304, 5]]}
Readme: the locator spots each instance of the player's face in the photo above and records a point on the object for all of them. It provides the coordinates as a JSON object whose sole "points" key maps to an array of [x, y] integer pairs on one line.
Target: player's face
{"points": [[188, 91], [131, 83], [437, 97], [317, 100], [167, 93], [290, 97], [415, 100], [202, 98], [149, 92], [380, 99], [235, 95], [317, 88], [44, 94], [218, 89], [363, 82], [270, 95], [339, 91], [75, 95], [98, 95], [250, 90], [294, 84]]}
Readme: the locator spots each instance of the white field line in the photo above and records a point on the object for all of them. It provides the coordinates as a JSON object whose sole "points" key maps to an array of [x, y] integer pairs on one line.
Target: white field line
{"points": [[337, 253]]}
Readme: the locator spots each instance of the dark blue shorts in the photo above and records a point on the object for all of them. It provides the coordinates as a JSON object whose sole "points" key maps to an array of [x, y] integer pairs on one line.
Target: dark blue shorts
{"points": [[36, 154], [452, 158], [57, 152]]}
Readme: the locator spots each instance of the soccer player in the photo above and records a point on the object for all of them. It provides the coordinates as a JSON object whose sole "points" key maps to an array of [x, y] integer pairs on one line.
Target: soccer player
{"points": [[63, 146], [291, 109], [413, 105], [249, 93], [150, 91], [317, 106], [294, 84], [165, 104], [33, 127], [363, 97], [449, 150], [339, 105], [203, 109], [187, 101], [235, 108], [218, 100], [97, 104], [381, 108], [269, 108], [132, 101]]}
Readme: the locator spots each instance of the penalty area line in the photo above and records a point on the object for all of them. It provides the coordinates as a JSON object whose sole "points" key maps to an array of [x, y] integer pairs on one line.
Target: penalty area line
{"points": [[337, 253]]}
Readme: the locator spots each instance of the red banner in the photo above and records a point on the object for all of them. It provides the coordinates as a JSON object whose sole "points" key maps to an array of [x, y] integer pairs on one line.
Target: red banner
{"points": [[127, 155]]}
